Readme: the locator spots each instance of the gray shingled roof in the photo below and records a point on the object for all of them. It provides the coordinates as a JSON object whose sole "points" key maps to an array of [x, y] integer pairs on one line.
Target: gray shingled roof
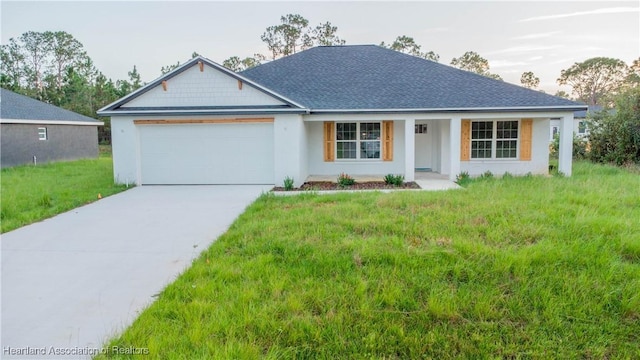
{"points": [[371, 77], [19, 107]]}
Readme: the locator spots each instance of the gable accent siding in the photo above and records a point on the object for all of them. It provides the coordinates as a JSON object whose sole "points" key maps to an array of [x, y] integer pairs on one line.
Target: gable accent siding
{"points": [[387, 142], [203, 121], [465, 140], [329, 141], [211, 87], [526, 134]]}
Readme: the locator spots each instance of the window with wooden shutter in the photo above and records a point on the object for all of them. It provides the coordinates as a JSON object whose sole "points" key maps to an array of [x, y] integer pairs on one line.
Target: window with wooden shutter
{"points": [[526, 134], [465, 140], [387, 143], [329, 140]]}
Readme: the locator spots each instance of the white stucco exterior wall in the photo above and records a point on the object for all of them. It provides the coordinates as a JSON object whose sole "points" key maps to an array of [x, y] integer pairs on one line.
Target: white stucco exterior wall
{"points": [[207, 88], [290, 145], [565, 152], [539, 163], [317, 165], [445, 147], [409, 149], [125, 150]]}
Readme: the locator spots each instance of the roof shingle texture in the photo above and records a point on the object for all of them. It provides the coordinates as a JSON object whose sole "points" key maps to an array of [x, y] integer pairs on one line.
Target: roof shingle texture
{"points": [[372, 77], [19, 107]]}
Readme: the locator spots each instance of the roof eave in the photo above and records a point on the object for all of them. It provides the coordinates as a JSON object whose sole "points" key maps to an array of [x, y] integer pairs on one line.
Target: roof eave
{"points": [[567, 108], [201, 112], [51, 122]]}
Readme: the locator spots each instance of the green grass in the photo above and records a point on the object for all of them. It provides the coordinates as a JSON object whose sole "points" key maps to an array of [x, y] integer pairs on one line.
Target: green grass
{"points": [[33, 193], [520, 267]]}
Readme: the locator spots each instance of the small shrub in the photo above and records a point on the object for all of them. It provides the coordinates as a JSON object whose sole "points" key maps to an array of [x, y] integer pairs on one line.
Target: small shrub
{"points": [[345, 180], [507, 175], [615, 137], [396, 180], [463, 178], [487, 175], [288, 183], [580, 147]]}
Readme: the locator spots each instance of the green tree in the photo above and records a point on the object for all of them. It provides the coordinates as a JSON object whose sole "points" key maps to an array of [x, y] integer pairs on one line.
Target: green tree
{"points": [[562, 94], [529, 80], [288, 37], [615, 137], [36, 46], [407, 45], [104, 93], [66, 51], [37, 62], [596, 80], [134, 77], [11, 66], [293, 34], [472, 61], [124, 87], [633, 76], [325, 34], [169, 68], [236, 64]]}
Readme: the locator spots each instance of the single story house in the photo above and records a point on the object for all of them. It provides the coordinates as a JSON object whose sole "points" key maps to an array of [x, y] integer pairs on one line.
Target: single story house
{"points": [[32, 131], [360, 110]]}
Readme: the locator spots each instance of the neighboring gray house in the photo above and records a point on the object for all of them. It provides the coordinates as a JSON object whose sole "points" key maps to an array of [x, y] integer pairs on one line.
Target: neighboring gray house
{"points": [[31, 130]]}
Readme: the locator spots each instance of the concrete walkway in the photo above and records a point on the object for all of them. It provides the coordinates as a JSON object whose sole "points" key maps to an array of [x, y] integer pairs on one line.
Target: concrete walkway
{"points": [[72, 281]]}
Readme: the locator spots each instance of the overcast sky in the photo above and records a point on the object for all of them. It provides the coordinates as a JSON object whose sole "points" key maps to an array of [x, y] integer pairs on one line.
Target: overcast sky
{"points": [[515, 36]]}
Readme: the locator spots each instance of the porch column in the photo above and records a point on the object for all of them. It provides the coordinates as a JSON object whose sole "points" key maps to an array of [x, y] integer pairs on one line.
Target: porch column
{"points": [[409, 149], [565, 153], [454, 147]]}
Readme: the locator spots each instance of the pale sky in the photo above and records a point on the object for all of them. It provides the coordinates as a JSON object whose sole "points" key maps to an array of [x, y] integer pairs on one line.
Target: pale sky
{"points": [[515, 36]]}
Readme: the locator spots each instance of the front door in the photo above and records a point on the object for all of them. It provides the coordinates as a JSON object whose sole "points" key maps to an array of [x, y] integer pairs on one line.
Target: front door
{"points": [[423, 147]]}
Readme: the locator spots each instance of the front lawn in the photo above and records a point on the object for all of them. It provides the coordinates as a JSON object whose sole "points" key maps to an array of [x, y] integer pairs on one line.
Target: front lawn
{"points": [[526, 267], [33, 193]]}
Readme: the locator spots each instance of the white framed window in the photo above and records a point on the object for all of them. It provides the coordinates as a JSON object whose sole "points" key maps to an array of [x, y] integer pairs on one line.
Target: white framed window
{"points": [[42, 133], [421, 128], [554, 131], [494, 139], [358, 141], [582, 127]]}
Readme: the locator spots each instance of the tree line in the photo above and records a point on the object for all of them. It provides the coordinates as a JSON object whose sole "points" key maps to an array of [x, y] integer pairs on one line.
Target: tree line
{"points": [[54, 67]]}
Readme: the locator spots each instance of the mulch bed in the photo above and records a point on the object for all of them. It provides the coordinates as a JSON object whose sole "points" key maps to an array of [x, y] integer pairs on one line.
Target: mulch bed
{"points": [[369, 185]]}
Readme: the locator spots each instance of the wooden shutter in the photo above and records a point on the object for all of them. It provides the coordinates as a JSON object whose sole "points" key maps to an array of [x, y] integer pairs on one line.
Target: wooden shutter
{"points": [[526, 133], [387, 141], [329, 141], [465, 140]]}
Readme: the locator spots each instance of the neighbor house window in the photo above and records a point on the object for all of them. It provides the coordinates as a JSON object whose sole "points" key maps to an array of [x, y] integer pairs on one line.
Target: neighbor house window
{"points": [[494, 139], [554, 131], [358, 140], [582, 127], [42, 133]]}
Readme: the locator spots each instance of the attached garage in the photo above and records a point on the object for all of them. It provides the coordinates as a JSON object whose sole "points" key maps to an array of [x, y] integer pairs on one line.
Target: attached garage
{"points": [[206, 152]]}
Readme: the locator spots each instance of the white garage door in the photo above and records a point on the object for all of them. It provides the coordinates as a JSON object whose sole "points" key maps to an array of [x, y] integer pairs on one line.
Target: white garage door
{"points": [[207, 153]]}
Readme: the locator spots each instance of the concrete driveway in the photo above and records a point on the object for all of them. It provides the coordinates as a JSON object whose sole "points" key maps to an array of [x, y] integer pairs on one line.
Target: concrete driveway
{"points": [[72, 281]]}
